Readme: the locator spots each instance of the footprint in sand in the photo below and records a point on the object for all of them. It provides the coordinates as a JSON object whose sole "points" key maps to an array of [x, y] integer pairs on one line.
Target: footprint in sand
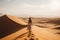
{"points": [[32, 37]]}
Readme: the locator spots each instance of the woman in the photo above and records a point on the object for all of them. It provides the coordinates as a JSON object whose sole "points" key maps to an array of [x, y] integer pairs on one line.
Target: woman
{"points": [[29, 26]]}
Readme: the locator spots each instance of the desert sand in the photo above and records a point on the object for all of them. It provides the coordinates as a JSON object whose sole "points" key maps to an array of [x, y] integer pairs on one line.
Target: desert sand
{"points": [[41, 30], [40, 33]]}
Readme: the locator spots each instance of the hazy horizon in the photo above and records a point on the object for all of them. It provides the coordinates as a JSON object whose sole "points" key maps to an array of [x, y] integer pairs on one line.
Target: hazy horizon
{"points": [[31, 8]]}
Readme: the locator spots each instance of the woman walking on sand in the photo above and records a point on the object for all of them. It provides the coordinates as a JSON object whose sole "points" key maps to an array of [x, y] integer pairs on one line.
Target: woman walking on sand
{"points": [[29, 26]]}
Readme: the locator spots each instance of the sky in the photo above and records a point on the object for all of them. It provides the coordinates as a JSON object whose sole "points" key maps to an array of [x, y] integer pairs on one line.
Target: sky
{"points": [[31, 8]]}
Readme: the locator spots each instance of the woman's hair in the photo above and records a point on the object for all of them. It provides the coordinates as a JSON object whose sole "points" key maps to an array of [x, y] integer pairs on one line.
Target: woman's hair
{"points": [[30, 21]]}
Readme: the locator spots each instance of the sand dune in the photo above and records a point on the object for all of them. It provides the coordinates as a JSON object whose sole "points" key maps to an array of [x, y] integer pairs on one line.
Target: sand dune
{"points": [[58, 28], [45, 34], [10, 24], [13, 28], [40, 33], [54, 21]]}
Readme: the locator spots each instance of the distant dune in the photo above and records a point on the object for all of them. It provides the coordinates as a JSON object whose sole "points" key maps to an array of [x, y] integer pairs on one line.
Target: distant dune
{"points": [[58, 33], [55, 21], [58, 28], [10, 24]]}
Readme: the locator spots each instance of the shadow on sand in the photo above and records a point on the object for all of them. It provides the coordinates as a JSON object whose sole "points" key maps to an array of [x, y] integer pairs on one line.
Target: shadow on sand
{"points": [[58, 33], [58, 28], [20, 36], [29, 38], [7, 26], [41, 26]]}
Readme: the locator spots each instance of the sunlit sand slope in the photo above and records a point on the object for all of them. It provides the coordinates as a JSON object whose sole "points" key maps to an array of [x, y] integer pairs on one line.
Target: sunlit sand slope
{"points": [[17, 20]]}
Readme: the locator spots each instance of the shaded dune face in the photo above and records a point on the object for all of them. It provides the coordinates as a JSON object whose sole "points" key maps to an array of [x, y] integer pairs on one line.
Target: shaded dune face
{"points": [[58, 28], [7, 26], [57, 22]]}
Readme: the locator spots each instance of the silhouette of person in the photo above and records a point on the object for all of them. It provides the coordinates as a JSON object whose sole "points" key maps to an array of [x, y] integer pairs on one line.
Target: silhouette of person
{"points": [[29, 26]]}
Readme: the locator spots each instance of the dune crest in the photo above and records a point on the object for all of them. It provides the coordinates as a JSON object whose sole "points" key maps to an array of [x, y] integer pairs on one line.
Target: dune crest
{"points": [[15, 19]]}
